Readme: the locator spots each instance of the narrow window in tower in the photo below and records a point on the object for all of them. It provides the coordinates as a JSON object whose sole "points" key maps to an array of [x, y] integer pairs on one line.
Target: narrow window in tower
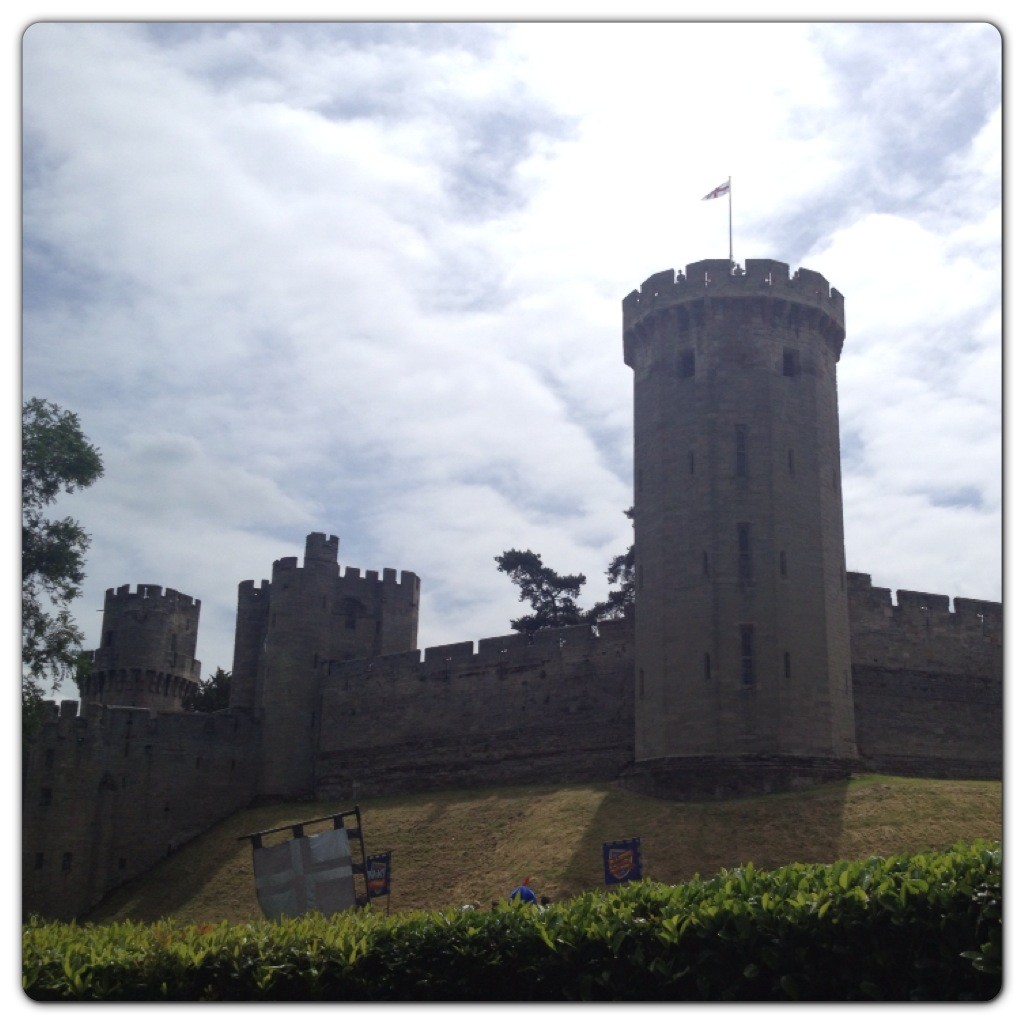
{"points": [[782, 563], [640, 683], [707, 665], [792, 463], [790, 362], [46, 797], [786, 669], [691, 463], [743, 544], [39, 861], [687, 363], [747, 655], [741, 450], [109, 642], [65, 863]]}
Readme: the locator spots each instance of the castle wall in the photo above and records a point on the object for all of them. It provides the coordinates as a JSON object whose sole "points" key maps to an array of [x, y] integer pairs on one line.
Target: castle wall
{"points": [[559, 709], [107, 796], [927, 689], [928, 682]]}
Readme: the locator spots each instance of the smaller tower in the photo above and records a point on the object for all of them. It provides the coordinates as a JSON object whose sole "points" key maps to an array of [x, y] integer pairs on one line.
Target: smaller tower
{"points": [[302, 618], [146, 656]]}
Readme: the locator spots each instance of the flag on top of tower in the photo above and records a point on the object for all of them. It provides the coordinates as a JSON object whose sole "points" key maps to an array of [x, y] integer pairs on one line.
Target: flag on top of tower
{"points": [[716, 192]]}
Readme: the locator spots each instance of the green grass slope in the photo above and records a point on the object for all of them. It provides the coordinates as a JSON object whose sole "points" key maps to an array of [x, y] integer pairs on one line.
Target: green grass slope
{"points": [[474, 846]]}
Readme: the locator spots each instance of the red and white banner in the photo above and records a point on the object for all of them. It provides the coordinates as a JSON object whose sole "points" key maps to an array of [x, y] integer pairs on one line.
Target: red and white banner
{"points": [[716, 192], [308, 873]]}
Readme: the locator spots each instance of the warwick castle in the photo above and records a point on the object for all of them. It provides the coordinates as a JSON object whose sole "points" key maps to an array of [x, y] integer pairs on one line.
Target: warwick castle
{"points": [[754, 661]]}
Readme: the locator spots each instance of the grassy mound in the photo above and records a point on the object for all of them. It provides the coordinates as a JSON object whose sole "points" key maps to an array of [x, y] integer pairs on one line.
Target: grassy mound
{"points": [[457, 848]]}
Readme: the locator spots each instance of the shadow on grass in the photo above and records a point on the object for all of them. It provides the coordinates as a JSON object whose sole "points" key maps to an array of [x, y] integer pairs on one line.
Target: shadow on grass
{"points": [[679, 840], [215, 858]]}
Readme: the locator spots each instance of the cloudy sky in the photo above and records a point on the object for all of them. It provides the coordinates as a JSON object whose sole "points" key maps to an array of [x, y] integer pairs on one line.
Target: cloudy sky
{"points": [[366, 279]]}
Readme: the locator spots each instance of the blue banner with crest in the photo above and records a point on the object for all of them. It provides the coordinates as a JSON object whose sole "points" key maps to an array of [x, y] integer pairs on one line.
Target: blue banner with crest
{"points": [[622, 861]]}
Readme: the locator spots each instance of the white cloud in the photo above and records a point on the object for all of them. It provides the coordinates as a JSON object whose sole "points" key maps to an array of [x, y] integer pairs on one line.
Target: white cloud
{"points": [[367, 280]]}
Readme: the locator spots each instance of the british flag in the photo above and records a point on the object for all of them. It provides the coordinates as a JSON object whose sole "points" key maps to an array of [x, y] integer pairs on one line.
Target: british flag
{"points": [[716, 192]]}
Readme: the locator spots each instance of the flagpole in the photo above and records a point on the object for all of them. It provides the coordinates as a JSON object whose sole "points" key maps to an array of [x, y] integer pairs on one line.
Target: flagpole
{"points": [[730, 218]]}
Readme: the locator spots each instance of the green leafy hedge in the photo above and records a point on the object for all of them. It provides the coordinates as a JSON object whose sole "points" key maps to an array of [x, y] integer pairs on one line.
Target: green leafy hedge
{"points": [[925, 926]]}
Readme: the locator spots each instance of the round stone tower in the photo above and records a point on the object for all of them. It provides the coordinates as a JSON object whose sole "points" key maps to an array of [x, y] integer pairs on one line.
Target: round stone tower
{"points": [[742, 632], [146, 657]]}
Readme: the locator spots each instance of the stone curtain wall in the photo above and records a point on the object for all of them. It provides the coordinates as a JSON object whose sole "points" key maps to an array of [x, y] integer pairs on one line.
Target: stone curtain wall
{"points": [[928, 682], [557, 710], [927, 686], [107, 796]]}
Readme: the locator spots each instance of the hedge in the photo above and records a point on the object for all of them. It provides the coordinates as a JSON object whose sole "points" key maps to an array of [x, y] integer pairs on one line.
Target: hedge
{"points": [[922, 926]]}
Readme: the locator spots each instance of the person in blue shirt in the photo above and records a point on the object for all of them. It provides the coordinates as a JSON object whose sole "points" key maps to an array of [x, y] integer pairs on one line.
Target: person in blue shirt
{"points": [[523, 893]]}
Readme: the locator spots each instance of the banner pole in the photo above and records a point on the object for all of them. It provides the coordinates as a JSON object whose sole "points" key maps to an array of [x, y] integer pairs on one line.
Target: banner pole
{"points": [[730, 218]]}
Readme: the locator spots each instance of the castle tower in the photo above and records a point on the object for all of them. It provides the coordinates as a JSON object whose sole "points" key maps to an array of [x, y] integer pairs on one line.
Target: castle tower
{"points": [[743, 651], [289, 627], [146, 656]]}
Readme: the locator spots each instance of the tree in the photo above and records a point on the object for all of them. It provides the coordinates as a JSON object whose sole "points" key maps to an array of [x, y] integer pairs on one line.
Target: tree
{"points": [[552, 597], [55, 457], [621, 571], [214, 694]]}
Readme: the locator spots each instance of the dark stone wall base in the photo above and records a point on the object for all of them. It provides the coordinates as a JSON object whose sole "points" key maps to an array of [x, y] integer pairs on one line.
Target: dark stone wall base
{"points": [[723, 778], [978, 769]]}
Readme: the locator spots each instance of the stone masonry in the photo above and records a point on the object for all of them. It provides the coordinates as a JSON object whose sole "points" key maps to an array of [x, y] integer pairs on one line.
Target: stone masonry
{"points": [[742, 633]]}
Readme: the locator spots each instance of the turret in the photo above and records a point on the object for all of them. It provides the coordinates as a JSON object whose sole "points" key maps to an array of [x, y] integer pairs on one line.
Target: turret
{"points": [[743, 649], [146, 656], [287, 628]]}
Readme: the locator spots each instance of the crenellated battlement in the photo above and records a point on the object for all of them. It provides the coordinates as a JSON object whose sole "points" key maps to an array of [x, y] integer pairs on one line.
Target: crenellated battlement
{"points": [[920, 607], [919, 633], [249, 592], [321, 548], [321, 555], [722, 279], [512, 648], [390, 577], [114, 721], [150, 592]]}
